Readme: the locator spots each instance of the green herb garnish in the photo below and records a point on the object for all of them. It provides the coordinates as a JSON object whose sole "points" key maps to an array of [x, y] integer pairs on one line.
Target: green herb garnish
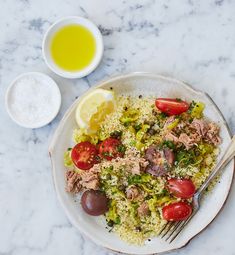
{"points": [[121, 148], [168, 144], [116, 134]]}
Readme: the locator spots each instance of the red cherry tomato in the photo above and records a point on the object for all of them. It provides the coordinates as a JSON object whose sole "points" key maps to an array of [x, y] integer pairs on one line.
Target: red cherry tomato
{"points": [[183, 188], [84, 155], [171, 106], [111, 148], [176, 211]]}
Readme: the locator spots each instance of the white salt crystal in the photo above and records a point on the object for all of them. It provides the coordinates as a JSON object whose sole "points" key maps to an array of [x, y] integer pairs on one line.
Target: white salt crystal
{"points": [[33, 100]]}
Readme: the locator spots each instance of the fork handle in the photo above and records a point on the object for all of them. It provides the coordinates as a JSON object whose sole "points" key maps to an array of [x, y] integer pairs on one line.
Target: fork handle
{"points": [[226, 158]]}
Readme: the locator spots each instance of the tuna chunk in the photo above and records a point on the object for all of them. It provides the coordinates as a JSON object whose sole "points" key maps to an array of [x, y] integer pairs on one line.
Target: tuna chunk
{"points": [[169, 156], [207, 131], [73, 181], [171, 137], [201, 126], [143, 163], [132, 193], [84, 179], [187, 141], [143, 209], [133, 163], [90, 180], [212, 135], [135, 168]]}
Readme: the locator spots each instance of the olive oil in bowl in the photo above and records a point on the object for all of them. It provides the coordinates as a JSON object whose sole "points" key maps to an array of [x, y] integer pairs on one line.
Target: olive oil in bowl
{"points": [[73, 48]]}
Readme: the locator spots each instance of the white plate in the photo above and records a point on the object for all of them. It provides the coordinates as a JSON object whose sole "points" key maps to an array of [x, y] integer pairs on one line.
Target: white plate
{"points": [[94, 227]]}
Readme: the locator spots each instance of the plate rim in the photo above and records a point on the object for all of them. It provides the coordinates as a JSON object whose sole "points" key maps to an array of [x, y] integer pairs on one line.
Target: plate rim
{"points": [[100, 84]]}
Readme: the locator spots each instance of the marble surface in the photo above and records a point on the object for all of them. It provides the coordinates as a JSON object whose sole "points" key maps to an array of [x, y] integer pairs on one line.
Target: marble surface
{"points": [[189, 40]]}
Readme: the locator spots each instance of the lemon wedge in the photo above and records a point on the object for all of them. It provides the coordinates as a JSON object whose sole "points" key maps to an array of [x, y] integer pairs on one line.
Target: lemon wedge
{"points": [[93, 108]]}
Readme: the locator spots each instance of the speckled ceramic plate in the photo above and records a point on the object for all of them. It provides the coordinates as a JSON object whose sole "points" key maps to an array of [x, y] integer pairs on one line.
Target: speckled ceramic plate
{"points": [[94, 227]]}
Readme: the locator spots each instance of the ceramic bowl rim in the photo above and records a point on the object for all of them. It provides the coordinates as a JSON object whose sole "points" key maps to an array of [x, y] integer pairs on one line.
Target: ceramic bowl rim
{"points": [[99, 43], [7, 94], [100, 84]]}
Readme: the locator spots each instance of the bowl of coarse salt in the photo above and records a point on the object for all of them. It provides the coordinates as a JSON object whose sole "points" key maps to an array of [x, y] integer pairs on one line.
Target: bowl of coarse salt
{"points": [[33, 100]]}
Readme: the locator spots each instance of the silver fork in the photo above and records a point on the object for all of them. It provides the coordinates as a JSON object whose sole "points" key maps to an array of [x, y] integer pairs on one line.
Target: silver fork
{"points": [[172, 229]]}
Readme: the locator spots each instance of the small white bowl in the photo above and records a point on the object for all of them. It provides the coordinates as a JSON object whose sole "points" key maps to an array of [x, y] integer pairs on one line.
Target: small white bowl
{"points": [[68, 21], [45, 112]]}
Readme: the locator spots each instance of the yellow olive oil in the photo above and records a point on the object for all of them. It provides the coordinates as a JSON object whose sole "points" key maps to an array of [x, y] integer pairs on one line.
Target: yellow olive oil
{"points": [[73, 48]]}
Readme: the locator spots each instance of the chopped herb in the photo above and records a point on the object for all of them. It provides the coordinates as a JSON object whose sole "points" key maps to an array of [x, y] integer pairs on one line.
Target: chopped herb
{"points": [[185, 158], [163, 115], [108, 177], [164, 192], [107, 154], [168, 144], [121, 148], [191, 106], [97, 158], [178, 117], [137, 127], [133, 143], [110, 168], [69, 149], [178, 99], [134, 179], [190, 120], [116, 134], [154, 112]]}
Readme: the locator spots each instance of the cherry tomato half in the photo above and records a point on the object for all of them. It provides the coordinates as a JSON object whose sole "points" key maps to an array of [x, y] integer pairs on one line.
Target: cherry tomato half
{"points": [[111, 148], [176, 211], [183, 188], [84, 155], [171, 106]]}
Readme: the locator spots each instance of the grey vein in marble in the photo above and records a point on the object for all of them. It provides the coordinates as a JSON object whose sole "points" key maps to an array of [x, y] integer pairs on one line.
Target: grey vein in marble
{"points": [[189, 40]]}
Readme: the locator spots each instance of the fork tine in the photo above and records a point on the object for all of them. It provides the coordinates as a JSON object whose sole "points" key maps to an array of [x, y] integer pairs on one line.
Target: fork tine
{"points": [[164, 227], [177, 232], [171, 224], [174, 229]]}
